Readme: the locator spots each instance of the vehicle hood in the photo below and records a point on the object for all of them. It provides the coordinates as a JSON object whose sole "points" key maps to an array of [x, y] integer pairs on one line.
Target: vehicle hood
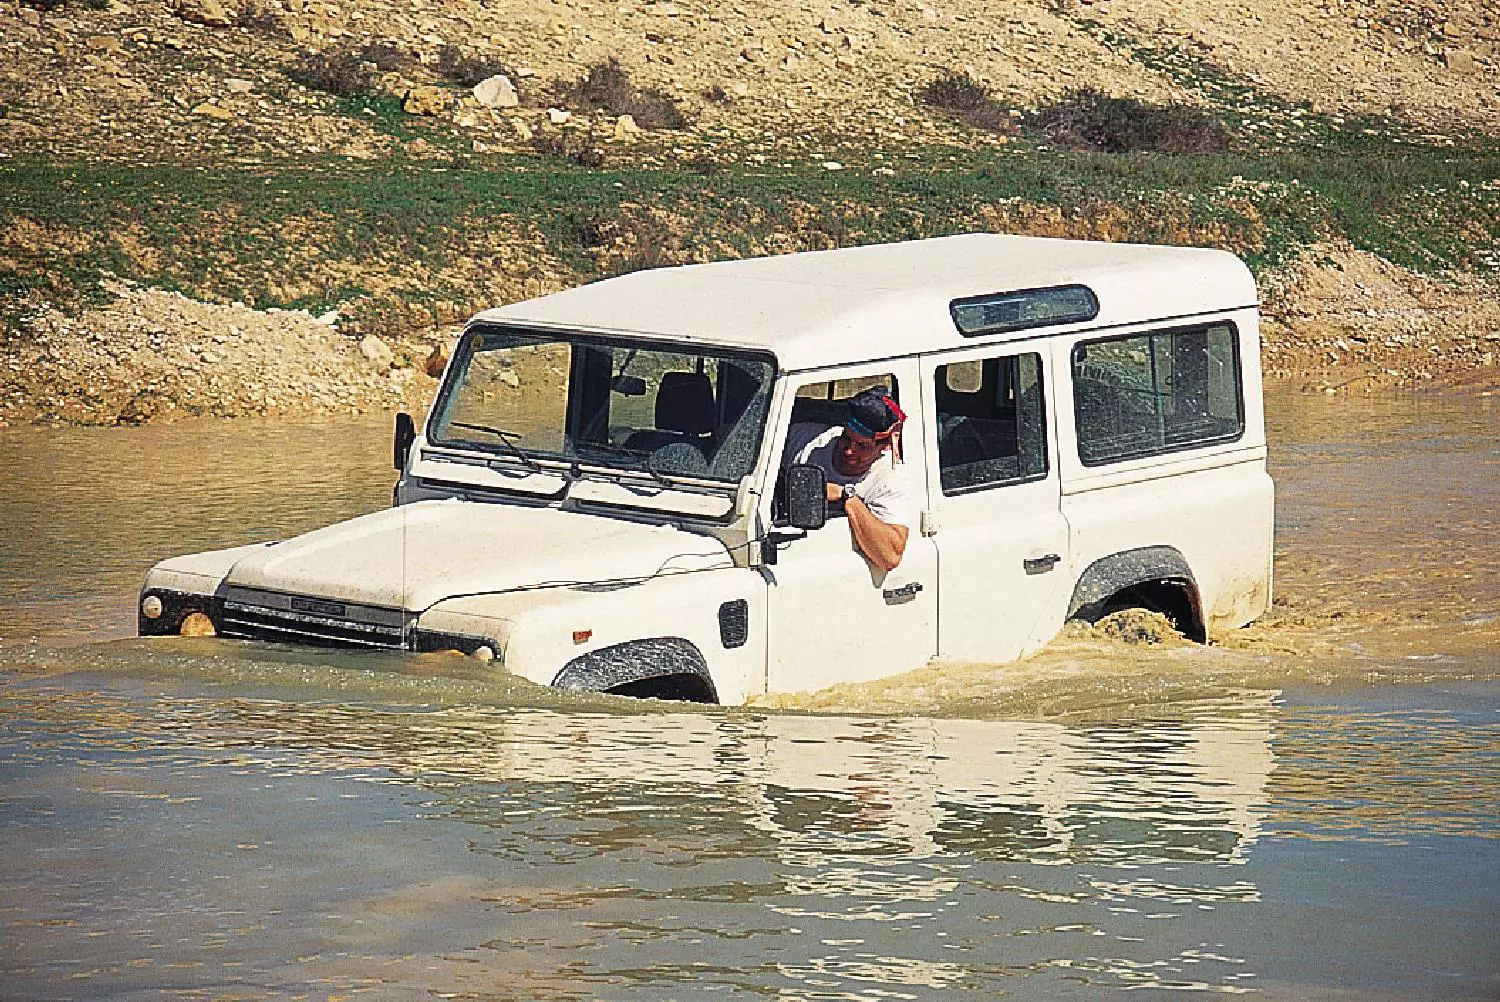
{"points": [[418, 554]]}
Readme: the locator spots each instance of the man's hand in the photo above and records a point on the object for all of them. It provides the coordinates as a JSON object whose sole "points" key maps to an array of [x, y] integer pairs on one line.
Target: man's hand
{"points": [[833, 492]]}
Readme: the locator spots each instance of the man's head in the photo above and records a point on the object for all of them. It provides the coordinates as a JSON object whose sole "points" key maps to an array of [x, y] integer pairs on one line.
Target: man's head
{"points": [[871, 424]]}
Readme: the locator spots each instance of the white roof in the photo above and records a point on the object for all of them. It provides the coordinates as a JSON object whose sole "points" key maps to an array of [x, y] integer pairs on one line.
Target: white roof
{"points": [[828, 307]]}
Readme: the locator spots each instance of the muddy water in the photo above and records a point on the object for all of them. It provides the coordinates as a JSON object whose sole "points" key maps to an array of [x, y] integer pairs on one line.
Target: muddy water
{"points": [[1309, 809]]}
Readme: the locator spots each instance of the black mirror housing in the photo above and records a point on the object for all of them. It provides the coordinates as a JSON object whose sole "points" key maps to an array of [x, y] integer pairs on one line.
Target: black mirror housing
{"points": [[806, 496], [406, 434], [628, 386]]}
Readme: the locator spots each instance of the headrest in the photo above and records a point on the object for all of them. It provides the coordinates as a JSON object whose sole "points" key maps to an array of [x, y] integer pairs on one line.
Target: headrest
{"points": [[685, 403]]}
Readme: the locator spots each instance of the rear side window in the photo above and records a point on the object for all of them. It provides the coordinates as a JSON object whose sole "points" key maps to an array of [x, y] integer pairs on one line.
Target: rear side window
{"points": [[991, 422], [1159, 392]]}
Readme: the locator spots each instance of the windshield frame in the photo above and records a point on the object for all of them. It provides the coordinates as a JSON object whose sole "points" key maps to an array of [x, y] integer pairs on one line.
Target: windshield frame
{"points": [[574, 466]]}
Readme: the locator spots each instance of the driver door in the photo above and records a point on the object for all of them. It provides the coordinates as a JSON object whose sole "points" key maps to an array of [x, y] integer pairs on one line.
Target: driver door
{"points": [[832, 617]]}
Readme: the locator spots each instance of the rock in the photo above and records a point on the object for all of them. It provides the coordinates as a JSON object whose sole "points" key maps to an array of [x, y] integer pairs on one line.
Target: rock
{"points": [[558, 116], [1461, 61], [237, 86], [497, 92], [523, 130], [376, 351], [210, 13], [104, 43], [625, 126], [211, 110], [427, 100], [436, 362]]}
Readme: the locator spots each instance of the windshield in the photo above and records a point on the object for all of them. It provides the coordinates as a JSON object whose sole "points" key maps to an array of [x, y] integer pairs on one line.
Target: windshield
{"points": [[665, 410]]}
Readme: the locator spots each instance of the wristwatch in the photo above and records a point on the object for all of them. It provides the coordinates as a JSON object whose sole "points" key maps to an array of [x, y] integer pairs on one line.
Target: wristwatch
{"points": [[846, 492]]}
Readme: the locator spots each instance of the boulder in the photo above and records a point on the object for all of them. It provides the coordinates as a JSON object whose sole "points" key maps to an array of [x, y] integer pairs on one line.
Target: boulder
{"points": [[104, 43], [211, 110], [625, 127], [377, 352], [427, 100], [210, 13], [497, 92], [1461, 61]]}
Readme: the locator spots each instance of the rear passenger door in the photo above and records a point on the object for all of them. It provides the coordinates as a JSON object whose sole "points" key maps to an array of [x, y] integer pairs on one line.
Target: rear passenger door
{"points": [[1001, 539]]}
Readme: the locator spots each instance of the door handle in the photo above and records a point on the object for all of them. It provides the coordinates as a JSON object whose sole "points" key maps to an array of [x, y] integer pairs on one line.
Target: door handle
{"points": [[905, 593], [1040, 565]]}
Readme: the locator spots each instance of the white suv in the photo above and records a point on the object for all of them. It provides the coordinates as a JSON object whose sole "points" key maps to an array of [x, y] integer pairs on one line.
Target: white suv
{"points": [[596, 502]]}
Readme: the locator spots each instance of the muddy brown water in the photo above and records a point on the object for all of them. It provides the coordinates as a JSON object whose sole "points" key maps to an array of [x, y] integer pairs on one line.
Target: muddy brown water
{"points": [[1309, 808]]}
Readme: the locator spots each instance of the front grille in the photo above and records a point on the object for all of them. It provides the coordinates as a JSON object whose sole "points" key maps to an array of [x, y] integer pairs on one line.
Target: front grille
{"points": [[267, 615]]}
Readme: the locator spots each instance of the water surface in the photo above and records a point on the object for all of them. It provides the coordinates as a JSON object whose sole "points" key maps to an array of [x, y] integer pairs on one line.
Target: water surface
{"points": [[1307, 809]]}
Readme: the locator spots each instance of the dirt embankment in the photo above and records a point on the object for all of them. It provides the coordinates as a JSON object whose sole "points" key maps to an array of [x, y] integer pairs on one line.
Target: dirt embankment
{"points": [[215, 81], [1340, 322]]}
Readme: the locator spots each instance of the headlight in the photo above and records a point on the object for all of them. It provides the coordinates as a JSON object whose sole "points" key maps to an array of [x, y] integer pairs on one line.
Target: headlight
{"points": [[151, 607]]}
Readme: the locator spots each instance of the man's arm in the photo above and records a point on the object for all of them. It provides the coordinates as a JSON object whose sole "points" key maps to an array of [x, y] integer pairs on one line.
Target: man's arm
{"points": [[881, 542]]}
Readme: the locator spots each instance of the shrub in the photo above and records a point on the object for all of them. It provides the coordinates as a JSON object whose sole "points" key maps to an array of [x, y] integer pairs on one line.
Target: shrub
{"points": [[607, 87], [1088, 120], [959, 96], [387, 57], [572, 145], [339, 71], [466, 70]]}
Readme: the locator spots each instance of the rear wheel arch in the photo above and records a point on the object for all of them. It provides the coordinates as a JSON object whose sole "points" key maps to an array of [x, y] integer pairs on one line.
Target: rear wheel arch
{"points": [[1156, 578], [653, 668]]}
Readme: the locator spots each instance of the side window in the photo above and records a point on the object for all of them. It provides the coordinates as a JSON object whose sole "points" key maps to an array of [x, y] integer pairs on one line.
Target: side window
{"points": [[823, 403], [991, 422], [1155, 393]]}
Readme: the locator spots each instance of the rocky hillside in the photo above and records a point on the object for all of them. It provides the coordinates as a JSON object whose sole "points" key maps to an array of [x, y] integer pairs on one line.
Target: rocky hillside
{"points": [[195, 79], [753, 85]]}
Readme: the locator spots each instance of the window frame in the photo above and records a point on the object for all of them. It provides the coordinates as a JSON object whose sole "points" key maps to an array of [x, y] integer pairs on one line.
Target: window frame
{"points": [[1036, 350], [1166, 448], [1025, 325], [573, 338]]}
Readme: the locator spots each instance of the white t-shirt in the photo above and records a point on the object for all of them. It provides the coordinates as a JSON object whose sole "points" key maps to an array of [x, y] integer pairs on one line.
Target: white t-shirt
{"points": [[887, 488]]}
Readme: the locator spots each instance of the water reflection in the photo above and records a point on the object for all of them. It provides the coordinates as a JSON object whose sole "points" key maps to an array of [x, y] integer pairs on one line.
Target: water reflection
{"points": [[860, 857]]}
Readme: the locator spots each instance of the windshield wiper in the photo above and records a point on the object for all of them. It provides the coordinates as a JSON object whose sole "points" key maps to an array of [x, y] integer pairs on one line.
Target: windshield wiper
{"points": [[643, 454], [505, 438]]}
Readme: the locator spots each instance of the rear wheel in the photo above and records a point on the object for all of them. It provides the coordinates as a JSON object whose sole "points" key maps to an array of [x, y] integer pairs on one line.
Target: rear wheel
{"points": [[1169, 598]]}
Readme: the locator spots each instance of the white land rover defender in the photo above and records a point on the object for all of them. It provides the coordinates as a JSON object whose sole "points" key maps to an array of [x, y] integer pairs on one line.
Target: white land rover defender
{"points": [[598, 500]]}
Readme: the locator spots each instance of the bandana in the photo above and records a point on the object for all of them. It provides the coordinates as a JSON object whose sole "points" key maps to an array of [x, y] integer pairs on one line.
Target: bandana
{"points": [[875, 406]]}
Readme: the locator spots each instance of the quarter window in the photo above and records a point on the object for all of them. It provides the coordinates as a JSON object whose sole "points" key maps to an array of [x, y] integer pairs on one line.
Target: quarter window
{"points": [[991, 422], [1155, 393]]}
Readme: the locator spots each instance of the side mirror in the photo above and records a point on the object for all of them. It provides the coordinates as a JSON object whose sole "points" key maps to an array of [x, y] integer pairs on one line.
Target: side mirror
{"points": [[628, 386], [406, 434], [806, 496]]}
